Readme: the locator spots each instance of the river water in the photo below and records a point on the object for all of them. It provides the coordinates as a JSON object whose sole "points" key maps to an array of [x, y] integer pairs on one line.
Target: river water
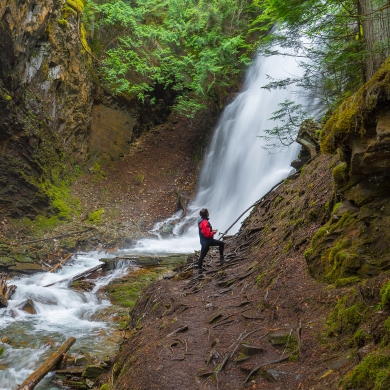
{"points": [[61, 312], [237, 171]]}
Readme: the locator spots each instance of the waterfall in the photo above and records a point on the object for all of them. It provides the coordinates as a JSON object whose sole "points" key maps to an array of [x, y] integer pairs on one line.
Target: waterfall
{"points": [[237, 170]]}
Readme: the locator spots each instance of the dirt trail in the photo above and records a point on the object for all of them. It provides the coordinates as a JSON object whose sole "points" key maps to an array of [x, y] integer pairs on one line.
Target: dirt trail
{"points": [[263, 294]]}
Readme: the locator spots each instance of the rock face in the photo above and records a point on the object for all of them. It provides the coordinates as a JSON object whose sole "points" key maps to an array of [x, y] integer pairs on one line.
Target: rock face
{"points": [[45, 100], [356, 240]]}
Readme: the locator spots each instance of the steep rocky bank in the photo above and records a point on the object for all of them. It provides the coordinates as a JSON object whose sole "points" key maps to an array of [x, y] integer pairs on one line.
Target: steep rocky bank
{"points": [[306, 283]]}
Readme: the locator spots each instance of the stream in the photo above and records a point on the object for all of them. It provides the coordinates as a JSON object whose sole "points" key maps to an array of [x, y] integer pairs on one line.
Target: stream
{"points": [[60, 312], [236, 172]]}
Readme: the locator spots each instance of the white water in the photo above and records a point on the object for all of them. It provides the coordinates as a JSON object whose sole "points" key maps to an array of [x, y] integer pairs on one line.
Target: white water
{"points": [[60, 313], [237, 171]]}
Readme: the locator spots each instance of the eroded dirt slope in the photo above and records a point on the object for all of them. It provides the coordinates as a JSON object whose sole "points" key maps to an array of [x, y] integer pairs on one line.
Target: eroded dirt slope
{"points": [[263, 296]]}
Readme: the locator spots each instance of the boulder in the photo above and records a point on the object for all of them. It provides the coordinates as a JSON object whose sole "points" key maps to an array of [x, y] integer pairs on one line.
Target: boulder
{"points": [[29, 307], [308, 136]]}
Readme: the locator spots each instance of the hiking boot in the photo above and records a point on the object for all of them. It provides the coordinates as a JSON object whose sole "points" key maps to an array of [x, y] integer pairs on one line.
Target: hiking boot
{"points": [[221, 260]]}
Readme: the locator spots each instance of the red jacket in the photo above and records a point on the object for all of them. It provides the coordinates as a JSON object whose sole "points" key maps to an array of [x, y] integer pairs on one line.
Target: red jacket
{"points": [[206, 229]]}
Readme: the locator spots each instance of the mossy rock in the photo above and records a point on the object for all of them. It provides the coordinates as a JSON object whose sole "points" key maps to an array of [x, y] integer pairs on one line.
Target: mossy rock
{"points": [[7, 261], [350, 117], [20, 258], [92, 371], [26, 268], [371, 373]]}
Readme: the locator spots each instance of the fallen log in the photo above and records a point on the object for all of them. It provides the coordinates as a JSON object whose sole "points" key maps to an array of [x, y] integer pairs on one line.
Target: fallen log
{"points": [[60, 263], [5, 291], [46, 367], [78, 276]]}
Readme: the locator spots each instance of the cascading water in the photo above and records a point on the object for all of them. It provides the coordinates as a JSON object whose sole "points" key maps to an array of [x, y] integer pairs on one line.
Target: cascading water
{"points": [[237, 171], [60, 312]]}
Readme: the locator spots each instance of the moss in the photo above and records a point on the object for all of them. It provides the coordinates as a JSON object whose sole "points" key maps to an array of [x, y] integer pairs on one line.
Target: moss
{"points": [[371, 373], [287, 247], [63, 22], [68, 11], [106, 386], [308, 252], [336, 207], [346, 281], [127, 293], [95, 217], [359, 339], [7, 98], [350, 116], [386, 324], [1, 350], [277, 201], [340, 175], [77, 5], [346, 316], [385, 294]]}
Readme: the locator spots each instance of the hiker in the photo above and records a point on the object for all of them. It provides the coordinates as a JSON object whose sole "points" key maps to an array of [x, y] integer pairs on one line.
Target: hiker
{"points": [[206, 234]]}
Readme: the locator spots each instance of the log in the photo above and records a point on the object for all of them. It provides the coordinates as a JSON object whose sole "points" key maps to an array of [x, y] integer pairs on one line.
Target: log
{"points": [[46, 367], [78, 276], [60, 263], [5, 291]]}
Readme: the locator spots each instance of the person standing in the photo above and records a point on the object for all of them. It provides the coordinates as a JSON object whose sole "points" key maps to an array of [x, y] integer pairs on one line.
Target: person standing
{"points": [[206, 235]]}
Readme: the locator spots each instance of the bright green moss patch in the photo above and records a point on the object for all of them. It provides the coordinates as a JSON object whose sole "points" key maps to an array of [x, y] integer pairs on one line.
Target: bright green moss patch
{"points": [[77, 5], [350, 116], [371, 373], [95, 217], [340, 175]]}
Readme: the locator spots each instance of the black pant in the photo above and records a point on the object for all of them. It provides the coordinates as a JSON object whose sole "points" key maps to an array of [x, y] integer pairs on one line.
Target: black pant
{"points": [[205, 249]]}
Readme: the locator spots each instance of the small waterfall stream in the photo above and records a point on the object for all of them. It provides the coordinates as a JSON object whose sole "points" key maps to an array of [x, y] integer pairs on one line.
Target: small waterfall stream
{"points": [[60, 312], [236, 172]]}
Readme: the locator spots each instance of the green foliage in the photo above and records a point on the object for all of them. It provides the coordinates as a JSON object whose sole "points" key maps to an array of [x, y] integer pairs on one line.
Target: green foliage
{"points": [[192, 47], [290, 115]]}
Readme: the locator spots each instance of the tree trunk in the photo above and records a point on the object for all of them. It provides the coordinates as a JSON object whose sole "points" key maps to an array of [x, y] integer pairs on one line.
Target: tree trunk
{"points": [[375, 17], [46, 367]]}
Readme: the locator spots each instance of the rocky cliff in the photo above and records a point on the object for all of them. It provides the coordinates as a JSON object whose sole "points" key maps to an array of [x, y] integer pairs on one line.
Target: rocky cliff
{"points": [[45, 103]]}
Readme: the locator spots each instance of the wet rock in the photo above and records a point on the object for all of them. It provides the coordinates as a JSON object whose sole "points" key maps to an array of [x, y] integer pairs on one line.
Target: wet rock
{"points": [[29, 307], [167, 228], [92, 371]]}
